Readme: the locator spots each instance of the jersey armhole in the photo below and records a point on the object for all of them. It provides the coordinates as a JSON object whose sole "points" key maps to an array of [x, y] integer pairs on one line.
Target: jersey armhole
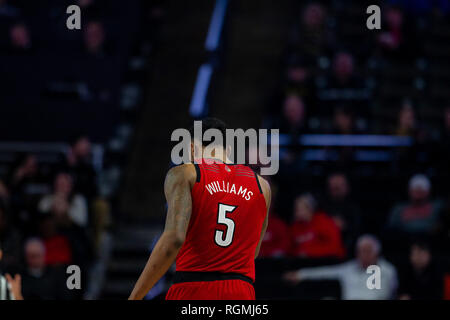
{"points": [[257, 181], [198, 172]]}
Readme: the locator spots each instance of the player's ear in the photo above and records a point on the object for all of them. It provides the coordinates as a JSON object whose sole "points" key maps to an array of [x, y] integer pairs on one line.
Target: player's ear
{"points": [[228, 151], [192, 151], [196, 150]]}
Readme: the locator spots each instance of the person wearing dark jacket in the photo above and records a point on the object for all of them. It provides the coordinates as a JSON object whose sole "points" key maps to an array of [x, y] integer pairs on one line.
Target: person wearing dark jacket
{"points": [[422, 279], [340, 206], [39, 281]]}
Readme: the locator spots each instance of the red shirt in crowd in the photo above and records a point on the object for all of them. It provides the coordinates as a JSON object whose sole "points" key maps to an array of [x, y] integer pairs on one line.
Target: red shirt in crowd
{"points": [[57, 250], [276, 239], [317, 238]]}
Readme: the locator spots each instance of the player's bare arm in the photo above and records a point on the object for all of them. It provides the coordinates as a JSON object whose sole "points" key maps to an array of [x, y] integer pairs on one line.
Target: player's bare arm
{"points": [[265, 186], [177, 189]]}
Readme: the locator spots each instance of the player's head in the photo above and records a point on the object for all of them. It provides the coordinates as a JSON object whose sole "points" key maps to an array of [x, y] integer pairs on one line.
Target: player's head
{"points": [[209, 123]]}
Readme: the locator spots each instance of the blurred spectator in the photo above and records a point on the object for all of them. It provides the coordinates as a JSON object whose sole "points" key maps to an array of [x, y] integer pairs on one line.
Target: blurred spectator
{"points": [[352, 275], [275, 243], [10, 239], [40, 282], [79, 164], [85, 3], [441, 152], [397, 40], [296, 82], [407, 124], [343, 84], [343, 121], [445, 133], [25, 171], [58, 250], [293, 119], [299, 80], [26, 185], [20, 38], [4, 193], [420, 214], [343, 70], [342, 208], [410, 158], [313, 233], [313, 37], [94, 38], [392, 38], [65, 241], [9, 15], [443, 244], [93, 9], [422, 278], [64, 198]]}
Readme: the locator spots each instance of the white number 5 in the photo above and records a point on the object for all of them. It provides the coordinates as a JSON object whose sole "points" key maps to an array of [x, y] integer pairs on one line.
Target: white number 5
{"points": [[223, 219]]}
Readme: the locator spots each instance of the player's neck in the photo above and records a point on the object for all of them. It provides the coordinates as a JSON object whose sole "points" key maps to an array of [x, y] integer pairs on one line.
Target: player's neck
{"points": [[224, 159], [220, 157]]}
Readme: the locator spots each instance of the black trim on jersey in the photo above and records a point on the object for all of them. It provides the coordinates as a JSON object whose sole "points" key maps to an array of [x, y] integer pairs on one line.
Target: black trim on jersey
{"points": [[194, 276], [257, 181], [197, 171]]}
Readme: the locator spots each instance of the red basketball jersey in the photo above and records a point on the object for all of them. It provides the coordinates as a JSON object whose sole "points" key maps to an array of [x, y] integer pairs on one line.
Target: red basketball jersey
{"points": [[228, 211]]}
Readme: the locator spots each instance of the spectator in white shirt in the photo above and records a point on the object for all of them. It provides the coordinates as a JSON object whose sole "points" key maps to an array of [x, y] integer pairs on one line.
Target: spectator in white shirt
{"points": [[353, 276], [63, 199]]}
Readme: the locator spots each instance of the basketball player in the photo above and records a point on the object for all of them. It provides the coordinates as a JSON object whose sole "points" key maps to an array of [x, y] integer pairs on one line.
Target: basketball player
{"points": [[216, 219]]}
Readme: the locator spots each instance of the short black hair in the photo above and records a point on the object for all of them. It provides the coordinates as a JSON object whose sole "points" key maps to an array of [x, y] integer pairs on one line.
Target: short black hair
{"points": [[212, 123]]}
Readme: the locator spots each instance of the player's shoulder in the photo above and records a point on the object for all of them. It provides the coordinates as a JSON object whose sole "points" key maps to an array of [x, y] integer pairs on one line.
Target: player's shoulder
{"points": [[182, 172]]}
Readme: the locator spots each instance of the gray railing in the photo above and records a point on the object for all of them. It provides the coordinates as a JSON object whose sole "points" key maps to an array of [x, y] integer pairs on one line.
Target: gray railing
{"points": [[47, 150]]}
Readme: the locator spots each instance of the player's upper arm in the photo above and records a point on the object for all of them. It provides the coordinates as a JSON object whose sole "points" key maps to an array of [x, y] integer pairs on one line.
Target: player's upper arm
{"points": [[265, 187], [177, 189]]}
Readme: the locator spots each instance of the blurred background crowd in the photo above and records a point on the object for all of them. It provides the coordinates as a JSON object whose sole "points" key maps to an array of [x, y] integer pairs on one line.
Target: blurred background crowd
{"points": [[350, 85], [364, 117], [68, 101]]}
